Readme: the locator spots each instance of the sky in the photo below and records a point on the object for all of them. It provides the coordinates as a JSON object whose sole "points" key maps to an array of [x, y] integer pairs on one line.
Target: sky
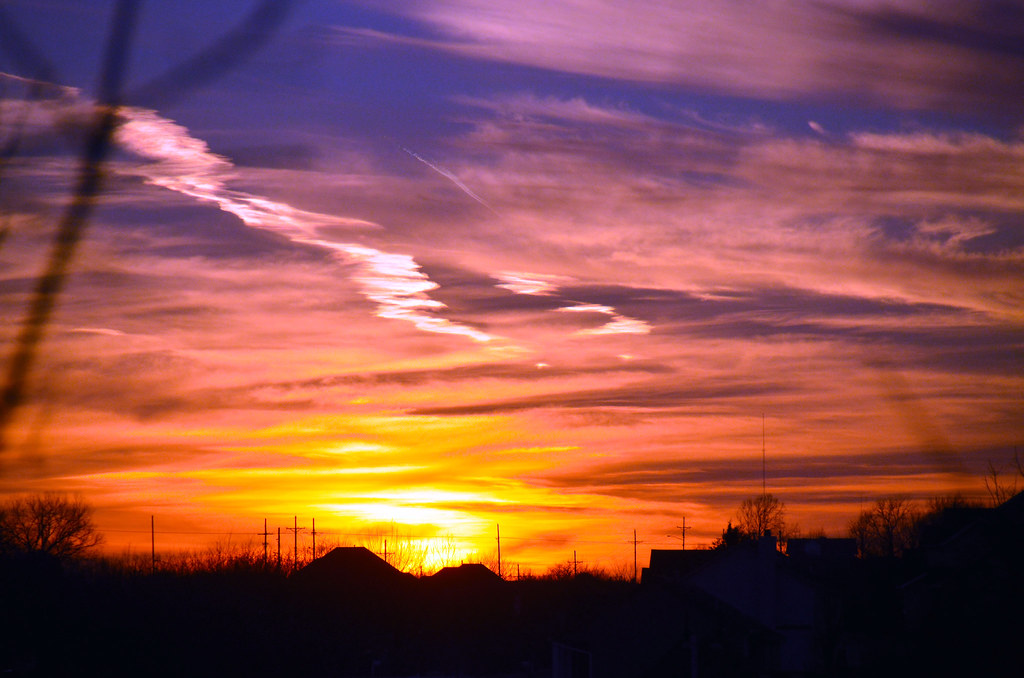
{"points": [[572, 268]]}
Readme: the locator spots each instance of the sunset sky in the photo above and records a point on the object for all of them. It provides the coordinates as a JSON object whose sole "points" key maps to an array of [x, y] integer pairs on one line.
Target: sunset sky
{"points": [[439, 265]]}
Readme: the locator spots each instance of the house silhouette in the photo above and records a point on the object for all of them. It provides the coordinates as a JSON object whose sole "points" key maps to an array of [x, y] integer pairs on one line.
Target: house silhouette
{"points": [[744, 610]]}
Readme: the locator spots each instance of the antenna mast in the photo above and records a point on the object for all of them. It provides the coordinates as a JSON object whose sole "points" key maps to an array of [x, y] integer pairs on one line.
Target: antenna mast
{"points": [[764, 464]]}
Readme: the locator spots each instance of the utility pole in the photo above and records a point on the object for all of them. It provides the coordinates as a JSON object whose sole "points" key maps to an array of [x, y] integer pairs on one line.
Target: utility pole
{"points": [[634, 556], [314, 539], [295, 551], [574, 562], [682, 532], [152, 540], [636, 570], [265, 535], [279, 548], [499, 551]]}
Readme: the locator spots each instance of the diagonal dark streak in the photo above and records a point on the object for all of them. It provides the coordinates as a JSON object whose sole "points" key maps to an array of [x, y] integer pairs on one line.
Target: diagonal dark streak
{"points": [[230, 49], [235, 46], [74, 220]]}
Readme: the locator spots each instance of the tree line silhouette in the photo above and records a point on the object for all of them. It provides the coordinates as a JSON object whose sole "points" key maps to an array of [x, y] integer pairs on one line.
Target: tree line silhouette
{"points": [[62, 526]]}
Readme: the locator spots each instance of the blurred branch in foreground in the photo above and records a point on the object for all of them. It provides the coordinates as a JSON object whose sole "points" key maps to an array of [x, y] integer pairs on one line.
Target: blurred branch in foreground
{"points": [[234, 46], [76, 217]]}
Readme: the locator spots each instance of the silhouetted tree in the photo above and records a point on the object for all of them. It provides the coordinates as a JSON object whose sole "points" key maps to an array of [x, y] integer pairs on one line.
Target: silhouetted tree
{"points": [[1000, 488], [760, 515], [951, 502], [731, 536], [887, 529], [944, 516], [53, 524]]}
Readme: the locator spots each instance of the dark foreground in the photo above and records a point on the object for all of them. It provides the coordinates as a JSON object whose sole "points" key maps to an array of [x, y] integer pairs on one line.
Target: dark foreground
{"points": [[953, 608]]}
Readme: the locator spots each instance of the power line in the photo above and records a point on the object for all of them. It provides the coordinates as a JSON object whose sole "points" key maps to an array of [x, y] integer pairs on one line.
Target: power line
{"points": [[339, 533], [228, 534]]}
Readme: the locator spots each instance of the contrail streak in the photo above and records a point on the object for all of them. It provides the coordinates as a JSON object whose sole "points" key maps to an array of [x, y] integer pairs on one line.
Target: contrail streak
{"points": [[451, 177], [182, 163]]}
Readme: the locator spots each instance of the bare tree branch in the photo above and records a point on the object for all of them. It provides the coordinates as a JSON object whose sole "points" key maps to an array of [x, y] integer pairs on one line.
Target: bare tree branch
{"points": [[887, 529], [53, 524], [762, 515]]}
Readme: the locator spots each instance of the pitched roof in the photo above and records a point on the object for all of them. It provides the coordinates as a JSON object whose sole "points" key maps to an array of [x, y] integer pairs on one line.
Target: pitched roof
{"points": [[351, 566]]}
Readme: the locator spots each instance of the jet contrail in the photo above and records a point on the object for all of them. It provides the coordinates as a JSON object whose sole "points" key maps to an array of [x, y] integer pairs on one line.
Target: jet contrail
{"points": [[451, 177]]}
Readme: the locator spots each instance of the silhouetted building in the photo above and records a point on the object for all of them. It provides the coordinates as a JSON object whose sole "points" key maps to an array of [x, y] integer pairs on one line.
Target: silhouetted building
{"points": [[757, 580], [350, 564], [744, 610], [466, 577], [963, 610], [821, 550], [674, 564]]}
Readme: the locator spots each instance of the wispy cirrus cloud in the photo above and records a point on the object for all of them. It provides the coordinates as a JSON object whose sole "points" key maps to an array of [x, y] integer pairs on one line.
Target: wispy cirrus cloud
{"points": [[618, 324], [642, 396], [530, 283], [671, 204], [906, 54], [544, 285], [851, 470], [185, 165]]}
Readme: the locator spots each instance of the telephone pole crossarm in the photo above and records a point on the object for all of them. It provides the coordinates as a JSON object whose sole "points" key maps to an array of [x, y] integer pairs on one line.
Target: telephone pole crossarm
{"points": [[295, 529], [682, 533]]}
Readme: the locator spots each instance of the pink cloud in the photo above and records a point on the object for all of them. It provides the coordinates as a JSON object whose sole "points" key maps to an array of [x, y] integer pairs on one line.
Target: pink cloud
{"points": [[771, 49], [185, 164], [674, 207], [618, 324]]}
